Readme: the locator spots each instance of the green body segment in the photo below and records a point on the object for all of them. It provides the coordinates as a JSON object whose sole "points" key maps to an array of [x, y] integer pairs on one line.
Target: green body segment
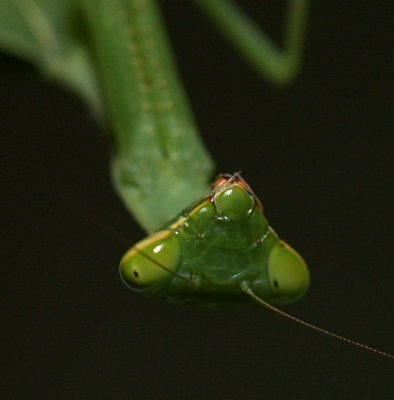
{"points": [[215, 248]]}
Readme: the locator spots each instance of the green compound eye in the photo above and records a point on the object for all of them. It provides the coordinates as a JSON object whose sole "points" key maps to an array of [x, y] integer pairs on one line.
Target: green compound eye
{"points": [[234, 202], [288, 274], [150, 261]]}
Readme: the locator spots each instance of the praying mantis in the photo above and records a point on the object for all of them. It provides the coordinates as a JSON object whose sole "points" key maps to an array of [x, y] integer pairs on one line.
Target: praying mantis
{"points": [[222, 252], [148, 101], [214, 251]]}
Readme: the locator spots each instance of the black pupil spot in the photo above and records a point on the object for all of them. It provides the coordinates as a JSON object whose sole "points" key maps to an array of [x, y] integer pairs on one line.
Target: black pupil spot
{"points": [[276, 284], [136, 274]]}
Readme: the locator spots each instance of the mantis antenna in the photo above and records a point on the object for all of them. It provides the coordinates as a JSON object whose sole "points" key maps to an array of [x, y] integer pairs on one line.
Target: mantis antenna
{"points": [[107, 228], [112, 232], [259, 300], [264, 303], [93, 219]]}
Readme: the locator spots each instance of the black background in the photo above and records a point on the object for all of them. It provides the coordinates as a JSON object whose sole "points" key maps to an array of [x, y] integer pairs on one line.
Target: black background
{"points": [[319, 154]]}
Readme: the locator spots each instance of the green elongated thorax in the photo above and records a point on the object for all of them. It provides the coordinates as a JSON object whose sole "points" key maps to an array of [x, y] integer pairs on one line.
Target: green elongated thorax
{"points": [[213, 250]]}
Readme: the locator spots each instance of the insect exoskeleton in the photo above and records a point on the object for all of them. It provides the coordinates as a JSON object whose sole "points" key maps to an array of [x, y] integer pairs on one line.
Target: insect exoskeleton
{"points": [[214, 249], [287, 273], [150, 263]]}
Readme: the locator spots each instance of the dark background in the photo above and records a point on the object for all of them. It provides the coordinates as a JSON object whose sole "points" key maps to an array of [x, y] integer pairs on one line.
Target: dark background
{"points": [[318, 153]]}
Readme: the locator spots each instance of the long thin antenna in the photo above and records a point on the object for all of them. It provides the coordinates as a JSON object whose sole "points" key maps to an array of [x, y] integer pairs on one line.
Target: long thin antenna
{"points": [[249, 291], [89, 216], [105, 227]]}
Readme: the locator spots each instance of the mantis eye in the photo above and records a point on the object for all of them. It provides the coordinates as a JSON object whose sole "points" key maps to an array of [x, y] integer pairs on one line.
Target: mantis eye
{"points": [[288, 275], [151, 261], [234, 202]]}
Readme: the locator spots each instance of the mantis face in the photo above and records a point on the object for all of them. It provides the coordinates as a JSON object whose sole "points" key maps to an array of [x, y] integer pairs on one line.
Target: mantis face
{"points": [[235, 245], [219, 252]]}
